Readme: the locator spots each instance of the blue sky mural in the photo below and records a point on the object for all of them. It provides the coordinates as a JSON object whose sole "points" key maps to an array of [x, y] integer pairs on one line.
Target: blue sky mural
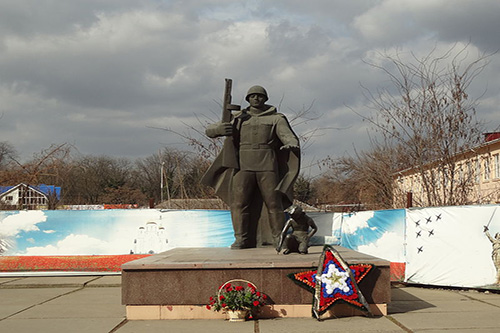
{"points": [[378, 233], [109, 231]]}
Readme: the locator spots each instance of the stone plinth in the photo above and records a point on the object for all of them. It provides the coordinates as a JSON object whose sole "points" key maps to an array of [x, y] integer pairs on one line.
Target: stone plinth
{"points": [[178, 283]]}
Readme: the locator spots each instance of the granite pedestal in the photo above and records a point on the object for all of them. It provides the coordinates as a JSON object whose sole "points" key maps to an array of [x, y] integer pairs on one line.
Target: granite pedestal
{"points": [[177, 284]]}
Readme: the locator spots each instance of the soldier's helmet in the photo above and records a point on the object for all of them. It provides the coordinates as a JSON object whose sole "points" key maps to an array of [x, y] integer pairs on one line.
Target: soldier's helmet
{"points": [[257, 90]]}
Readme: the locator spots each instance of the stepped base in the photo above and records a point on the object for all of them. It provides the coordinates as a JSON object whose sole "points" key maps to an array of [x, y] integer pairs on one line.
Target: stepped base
{"points": [[177, 284]]}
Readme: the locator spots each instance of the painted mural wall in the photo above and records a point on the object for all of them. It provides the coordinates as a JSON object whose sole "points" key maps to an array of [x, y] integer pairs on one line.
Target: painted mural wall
{"points": [[446, 246], [449, 246], [121, 231], [103, 232]]}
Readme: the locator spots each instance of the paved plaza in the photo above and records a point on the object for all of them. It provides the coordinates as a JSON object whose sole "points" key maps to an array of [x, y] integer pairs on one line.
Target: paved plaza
{"points": [[93, 304]]}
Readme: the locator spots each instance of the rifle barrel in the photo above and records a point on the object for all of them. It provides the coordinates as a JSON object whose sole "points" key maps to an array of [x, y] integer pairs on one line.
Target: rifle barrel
{"points": [[226, 112]]}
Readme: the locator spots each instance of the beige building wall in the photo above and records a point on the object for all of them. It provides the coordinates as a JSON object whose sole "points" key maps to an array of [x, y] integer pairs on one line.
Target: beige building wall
{"points": [[479, 168]]}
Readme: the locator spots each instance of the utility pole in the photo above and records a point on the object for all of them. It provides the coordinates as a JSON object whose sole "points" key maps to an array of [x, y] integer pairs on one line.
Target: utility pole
{"points": [[161, 181]]}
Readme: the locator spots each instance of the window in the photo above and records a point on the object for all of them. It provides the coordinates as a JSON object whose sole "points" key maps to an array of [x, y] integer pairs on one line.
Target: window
{"points": [[470, 171], [478, 171], [30, 197], [438, 179], [461, 176], [496, 161], [487, 170]]}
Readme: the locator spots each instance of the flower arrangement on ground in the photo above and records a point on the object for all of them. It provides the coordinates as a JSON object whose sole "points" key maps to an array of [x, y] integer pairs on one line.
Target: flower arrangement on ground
{"points": [[234, 298]]}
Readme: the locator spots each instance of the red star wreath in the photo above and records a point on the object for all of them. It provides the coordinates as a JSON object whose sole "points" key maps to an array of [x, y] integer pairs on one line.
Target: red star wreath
{"points": [[339, 282]]}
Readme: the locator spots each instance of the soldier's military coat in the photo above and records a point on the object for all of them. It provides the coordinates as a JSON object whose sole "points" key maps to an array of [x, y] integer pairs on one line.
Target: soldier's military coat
{"points": [[255, 146]]}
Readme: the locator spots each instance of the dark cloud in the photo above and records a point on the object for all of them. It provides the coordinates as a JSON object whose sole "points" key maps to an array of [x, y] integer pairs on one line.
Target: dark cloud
{"points": [[464, 21], [29, 18], [97, 73]]}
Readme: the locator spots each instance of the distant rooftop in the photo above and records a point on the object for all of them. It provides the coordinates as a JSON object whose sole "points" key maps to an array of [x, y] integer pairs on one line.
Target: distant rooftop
{"points": [[45, 189]]}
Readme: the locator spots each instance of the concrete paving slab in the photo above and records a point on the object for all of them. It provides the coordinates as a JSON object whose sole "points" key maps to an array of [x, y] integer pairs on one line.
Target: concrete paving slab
{"points": [[83, 303], [480, 295], [472, 330], [407, 306], [7, 279], [15, 300], [106, 281], [437, 306], [8, 310], [451, 320], [52, 281], [402, 301], [59, 325], [348, 324], [429, 294], [31, 296], [97, 308], [487, 298], [92, 296], [188, 326], [494, 302], [60, 311]]}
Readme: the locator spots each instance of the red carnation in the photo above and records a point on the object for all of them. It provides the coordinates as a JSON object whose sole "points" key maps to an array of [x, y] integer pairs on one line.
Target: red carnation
{"points": [[238, 288], [208, 307], [221, 297], [223, 305], [256, 303]]}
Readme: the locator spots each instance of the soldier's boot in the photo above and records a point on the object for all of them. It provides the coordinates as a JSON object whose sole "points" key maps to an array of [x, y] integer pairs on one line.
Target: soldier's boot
{"points": [[303, 248], [241, 223]]}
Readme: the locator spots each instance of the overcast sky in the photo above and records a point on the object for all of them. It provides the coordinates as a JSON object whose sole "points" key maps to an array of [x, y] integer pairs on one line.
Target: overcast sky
{"points": [[100, 74]]}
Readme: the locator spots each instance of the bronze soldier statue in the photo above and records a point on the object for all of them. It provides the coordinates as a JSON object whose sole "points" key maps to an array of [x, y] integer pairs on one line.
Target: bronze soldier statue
{"points": [[258, 164], [298, 240]]}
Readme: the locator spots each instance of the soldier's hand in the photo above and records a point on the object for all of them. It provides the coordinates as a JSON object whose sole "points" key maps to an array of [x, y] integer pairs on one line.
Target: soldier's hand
{"points": [[225, 129], [290, 147]]}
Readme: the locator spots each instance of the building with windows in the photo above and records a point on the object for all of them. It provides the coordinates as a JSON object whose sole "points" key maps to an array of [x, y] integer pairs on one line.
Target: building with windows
{"points": [[23, 196], [476, 178]]}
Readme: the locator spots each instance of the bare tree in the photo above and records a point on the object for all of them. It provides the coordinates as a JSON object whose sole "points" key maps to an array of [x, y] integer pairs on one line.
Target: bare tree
{"points": [[7, 154], [427, 116], [93, 178], [302, 189], [8, 168], [50, 166], [45, 166], [181, 172], [366, 176]]}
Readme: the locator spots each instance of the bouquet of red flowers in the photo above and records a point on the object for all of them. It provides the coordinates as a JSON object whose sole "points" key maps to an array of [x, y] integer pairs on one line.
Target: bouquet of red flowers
{"points": [[237, 297]]}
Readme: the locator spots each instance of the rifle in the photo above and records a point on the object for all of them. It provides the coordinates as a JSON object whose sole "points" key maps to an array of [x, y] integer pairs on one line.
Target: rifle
{"points": [[229, 152], [280, 243], [227, 107], [283, 235]]}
